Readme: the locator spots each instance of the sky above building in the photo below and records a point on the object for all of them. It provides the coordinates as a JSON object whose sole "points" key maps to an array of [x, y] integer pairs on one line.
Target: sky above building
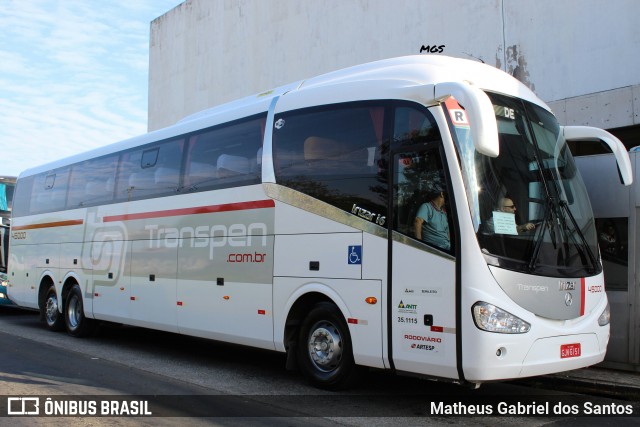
{"points": [[73, 76]]}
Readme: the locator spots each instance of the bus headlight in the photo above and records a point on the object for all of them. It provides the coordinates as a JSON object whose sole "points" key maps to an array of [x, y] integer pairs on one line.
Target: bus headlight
{"points": [[605, 317], [490, 318]]}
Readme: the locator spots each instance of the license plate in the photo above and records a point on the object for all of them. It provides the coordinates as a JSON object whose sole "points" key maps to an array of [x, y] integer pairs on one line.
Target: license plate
{"points": [[570, 350]]}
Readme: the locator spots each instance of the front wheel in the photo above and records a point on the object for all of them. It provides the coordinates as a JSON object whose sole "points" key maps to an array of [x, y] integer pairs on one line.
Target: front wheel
{"points": [[50, 310], [325, 354], [77, 324]]}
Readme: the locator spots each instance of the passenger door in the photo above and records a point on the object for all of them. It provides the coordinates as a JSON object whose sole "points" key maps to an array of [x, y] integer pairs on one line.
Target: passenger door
{"points": [[422, 306]]}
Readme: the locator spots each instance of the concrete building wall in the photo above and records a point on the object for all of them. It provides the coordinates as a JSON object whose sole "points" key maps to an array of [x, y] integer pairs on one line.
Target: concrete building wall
{"points": [[578, 55]]}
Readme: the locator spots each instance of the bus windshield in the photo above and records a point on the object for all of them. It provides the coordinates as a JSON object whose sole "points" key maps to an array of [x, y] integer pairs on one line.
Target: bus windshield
{"points": [[530, 209], [7, 186]]}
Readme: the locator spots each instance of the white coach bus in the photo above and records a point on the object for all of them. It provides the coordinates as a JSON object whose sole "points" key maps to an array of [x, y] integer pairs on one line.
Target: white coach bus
{"points": [[362, 218]]}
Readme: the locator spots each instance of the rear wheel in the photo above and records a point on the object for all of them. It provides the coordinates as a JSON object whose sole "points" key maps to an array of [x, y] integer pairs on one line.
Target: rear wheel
{"points": [[50, 310], [77, 324], [324, 349]]}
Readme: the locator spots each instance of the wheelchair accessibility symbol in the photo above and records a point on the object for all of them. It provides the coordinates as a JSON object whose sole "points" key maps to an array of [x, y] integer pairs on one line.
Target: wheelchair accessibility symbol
{"points": [[355, 255]]}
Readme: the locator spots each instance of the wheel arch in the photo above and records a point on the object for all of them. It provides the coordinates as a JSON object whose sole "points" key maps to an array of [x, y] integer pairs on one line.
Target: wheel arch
{"points": [[69, 280], [298, 306], [46, 280]]}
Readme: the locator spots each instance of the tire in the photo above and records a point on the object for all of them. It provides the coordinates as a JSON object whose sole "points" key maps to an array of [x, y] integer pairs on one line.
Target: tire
{"points": [[50, 311], [325, 355], [77, 324]]}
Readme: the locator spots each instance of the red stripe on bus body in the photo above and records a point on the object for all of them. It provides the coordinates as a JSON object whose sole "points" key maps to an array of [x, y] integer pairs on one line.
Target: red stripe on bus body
{"points": [[48, 225], [229, 207], [582, 295]]}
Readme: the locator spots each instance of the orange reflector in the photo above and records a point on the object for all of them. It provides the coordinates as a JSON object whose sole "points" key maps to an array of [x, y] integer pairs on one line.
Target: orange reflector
{"points": [[371, 300], [226, 297]]}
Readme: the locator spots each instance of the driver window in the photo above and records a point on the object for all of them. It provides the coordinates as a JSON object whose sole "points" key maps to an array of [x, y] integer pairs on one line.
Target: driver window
{"points": [[420, 193], [421, 198]]}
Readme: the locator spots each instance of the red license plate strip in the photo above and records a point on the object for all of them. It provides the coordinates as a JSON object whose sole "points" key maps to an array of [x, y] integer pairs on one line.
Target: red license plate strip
{"points": [[570, 350]]}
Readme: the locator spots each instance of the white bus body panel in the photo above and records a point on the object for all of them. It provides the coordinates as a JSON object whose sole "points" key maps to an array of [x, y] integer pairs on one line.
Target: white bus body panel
{"points": [[364, 320], [424, 285], [336, 277], [294, 253], [537, 351]]}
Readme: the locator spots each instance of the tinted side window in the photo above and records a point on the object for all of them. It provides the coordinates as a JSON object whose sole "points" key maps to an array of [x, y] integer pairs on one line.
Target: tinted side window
{"points": [[22, 199], [92, 182], [421, 196], [49, 191], [150, 171], [414, 124], [225, 156], [331, 153], [416, 167]]}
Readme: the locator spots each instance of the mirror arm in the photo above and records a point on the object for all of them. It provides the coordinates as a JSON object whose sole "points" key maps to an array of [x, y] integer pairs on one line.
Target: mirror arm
{"points": [[587, 133], [479, 109]]}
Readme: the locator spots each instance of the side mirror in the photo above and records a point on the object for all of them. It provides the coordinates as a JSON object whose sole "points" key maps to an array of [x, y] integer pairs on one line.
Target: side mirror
{"points": [[479, 109], [577, 133]]}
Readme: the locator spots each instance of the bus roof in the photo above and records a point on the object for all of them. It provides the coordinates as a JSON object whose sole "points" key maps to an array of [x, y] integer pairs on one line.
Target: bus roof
{"points": [[407, 71]]}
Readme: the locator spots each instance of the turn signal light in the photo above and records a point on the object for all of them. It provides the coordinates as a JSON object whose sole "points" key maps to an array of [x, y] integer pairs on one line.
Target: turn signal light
{"points": [[371, 300]]}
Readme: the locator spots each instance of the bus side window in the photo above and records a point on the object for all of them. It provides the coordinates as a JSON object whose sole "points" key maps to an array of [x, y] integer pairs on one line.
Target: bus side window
{"points": [[22, 202], [50, 191], [150, 171], [89, 183], [329, 153], [421, 195], [225, 156]]}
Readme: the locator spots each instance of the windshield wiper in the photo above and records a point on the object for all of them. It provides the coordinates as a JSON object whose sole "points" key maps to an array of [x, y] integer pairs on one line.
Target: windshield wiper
{"points": [[565, 206], [547, 221]]}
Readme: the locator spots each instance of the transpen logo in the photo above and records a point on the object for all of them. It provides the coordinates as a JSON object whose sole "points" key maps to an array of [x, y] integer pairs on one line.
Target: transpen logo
{"points": [[108, 245], [211, 236], [532, 288]]}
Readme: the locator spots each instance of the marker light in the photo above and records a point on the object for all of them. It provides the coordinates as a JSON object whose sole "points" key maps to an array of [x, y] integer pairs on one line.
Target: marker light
{"points": [[371, 300], [605, 317], [490, 318]]}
